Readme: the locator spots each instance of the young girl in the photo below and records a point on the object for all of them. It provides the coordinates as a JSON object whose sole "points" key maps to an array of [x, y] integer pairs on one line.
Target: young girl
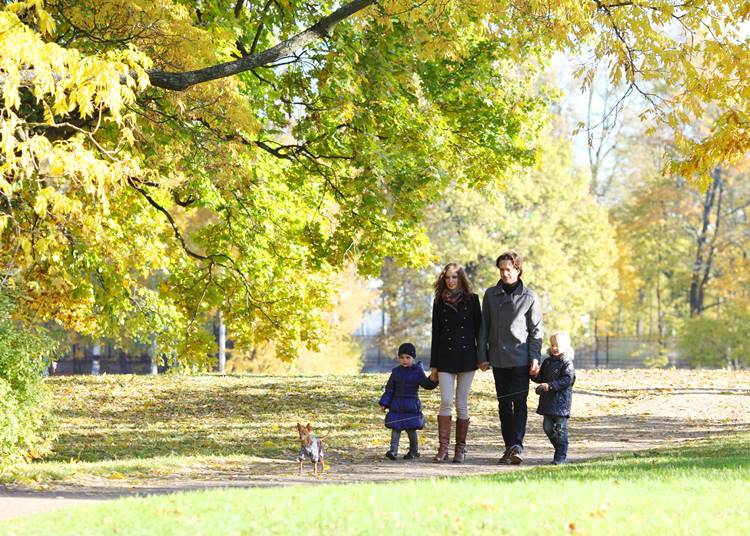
{"points": [[557, 377], [401, 398]]}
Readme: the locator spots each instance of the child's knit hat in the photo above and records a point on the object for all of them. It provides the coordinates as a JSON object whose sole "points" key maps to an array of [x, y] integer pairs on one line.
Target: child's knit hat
{"points": [[407, 348]]}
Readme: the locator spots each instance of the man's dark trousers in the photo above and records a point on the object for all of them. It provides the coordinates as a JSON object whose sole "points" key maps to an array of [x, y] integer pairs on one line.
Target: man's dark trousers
{"points": [[512, 388]]}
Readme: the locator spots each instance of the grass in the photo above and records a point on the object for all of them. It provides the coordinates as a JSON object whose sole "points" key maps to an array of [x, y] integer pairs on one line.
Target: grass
{"points": [[701, 488], [130, 429], [140, 427]]}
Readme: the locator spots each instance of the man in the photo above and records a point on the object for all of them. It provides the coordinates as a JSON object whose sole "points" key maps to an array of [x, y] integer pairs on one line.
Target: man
{"points": [[511, 341]]}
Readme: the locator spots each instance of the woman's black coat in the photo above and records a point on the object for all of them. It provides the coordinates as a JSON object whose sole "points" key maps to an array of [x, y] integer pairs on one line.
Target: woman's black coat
{"points": [[455, 329]]}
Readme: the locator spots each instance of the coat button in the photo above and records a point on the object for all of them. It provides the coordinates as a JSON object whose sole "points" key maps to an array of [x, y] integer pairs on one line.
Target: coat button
{"points": [[449, 348]]}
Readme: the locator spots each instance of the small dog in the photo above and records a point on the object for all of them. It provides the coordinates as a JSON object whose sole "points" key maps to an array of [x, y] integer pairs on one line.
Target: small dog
{"points": [[312, 447]]}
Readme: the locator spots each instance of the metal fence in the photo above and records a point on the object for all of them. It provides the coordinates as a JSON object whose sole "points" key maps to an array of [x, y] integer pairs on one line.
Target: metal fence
{"points": [[105, 365], [602, 352], [628, 352], [105, 358], [375, 359]]}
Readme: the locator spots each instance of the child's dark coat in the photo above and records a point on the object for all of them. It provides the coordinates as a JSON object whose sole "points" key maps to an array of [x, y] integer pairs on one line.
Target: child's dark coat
{"points": [[560, 374], [402, 399]]}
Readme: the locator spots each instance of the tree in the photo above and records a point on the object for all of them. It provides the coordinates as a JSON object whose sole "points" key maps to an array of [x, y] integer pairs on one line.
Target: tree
{"points": [[547, 214], [323, 146], [652, 233], [339, 351], [684, 266], [128, 211]]}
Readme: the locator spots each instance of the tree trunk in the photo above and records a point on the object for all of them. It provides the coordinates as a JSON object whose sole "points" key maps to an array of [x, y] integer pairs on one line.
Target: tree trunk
{"points": [[152, 354], [639, 322], [222, 345], [705, 244]]}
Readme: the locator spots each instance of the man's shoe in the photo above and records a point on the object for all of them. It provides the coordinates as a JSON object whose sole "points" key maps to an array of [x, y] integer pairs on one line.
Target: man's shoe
{"points": [[390, 455], [411, 455], [505, 458], [515, 455]]}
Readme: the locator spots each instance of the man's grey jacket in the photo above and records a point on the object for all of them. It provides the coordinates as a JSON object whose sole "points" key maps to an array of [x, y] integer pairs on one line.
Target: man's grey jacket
{"points": [[512, 330]]}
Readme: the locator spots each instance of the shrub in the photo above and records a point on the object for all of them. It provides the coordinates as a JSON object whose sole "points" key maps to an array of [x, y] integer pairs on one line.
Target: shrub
{"points": [[24, 404], [716, 342]]}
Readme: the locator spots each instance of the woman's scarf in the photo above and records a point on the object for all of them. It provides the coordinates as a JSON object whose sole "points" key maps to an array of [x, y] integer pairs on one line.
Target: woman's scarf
{"points": [[452, 298]]}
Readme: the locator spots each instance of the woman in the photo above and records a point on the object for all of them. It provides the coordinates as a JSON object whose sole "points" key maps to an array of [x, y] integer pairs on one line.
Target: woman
{"points": [[456, 319]]}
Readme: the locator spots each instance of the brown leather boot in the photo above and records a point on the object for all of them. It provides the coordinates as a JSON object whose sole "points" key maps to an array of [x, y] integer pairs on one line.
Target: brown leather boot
{"points": [[444, 436], [462, 428]]}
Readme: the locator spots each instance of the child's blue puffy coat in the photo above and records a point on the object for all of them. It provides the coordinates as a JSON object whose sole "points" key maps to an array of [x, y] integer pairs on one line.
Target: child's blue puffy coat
{"points": [[401, 397]]}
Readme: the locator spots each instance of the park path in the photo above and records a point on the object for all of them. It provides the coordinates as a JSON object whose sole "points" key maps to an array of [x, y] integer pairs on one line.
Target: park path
{"points": [[607, 421]]}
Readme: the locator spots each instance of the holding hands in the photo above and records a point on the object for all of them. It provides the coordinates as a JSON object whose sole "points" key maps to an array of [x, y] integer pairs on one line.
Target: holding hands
{"points": [[434, 374]]}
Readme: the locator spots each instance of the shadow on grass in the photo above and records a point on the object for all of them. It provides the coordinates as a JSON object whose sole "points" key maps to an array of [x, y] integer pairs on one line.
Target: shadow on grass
{"points": [[135, 418], [636, 391], [188, 416]]}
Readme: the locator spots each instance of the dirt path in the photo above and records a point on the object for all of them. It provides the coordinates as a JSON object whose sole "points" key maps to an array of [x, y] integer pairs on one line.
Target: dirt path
{"points": [[651, 412]]}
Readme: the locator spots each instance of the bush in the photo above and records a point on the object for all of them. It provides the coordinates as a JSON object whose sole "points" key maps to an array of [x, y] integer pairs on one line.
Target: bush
{"points": [[24, 401], [716, 342]]}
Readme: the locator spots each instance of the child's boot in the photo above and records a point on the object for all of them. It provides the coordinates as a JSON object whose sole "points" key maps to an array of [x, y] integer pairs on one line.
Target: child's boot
{"points": [[561, 444], [395, 440], [561, 456], [444, 436], [413, 446], [462, 428]]}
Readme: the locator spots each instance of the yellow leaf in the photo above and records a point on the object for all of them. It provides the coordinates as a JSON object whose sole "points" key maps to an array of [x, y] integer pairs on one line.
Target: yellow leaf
{"points": [[42, 200]]}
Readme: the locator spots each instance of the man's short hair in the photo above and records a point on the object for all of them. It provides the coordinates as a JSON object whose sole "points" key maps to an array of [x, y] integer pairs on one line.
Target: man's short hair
{"points": [[513, 257]]}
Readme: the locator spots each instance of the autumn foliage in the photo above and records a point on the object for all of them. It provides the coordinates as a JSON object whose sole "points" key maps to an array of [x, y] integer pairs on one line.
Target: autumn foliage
{"points": [[134, 203]]}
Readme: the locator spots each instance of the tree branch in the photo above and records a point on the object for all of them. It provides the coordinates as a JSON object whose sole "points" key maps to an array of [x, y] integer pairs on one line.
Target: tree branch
{"points": [[170, 219], [260, 28], [238, 8], [179, 81]]}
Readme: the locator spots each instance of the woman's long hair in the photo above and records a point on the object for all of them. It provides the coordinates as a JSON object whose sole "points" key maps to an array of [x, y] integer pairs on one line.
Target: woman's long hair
{"points": [[463, 281]]}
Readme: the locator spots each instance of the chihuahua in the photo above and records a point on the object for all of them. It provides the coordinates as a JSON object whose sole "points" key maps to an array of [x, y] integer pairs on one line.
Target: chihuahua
{"points": [[312, 447]]}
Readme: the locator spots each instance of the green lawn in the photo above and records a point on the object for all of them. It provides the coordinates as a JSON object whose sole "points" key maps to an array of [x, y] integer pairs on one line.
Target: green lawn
{"points": [[142, 427], [700, 489]]}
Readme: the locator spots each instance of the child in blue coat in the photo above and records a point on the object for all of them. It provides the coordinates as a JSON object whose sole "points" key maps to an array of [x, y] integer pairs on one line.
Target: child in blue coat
{"points": [[401, 399], [556, 379]]}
